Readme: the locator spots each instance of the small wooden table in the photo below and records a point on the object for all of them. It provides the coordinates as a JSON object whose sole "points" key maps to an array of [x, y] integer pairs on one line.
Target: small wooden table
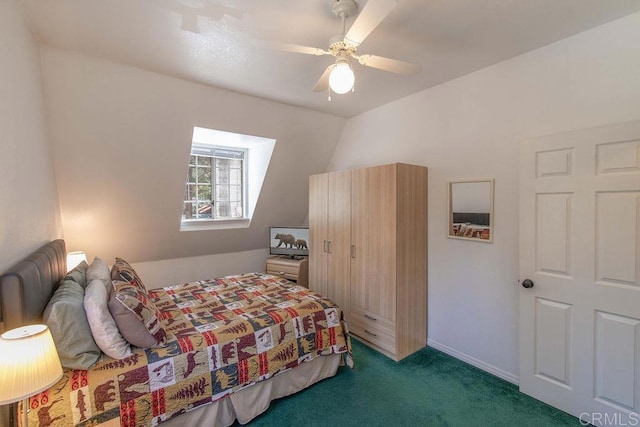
{"points": [[293, 269]]}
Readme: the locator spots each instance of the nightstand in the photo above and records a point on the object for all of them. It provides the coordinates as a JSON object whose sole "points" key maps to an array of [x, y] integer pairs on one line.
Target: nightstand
{"points": [[296, 270]]}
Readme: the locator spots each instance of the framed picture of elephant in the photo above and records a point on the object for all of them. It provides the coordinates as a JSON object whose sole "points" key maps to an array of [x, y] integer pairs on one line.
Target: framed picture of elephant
{"points": [[289, 241]]}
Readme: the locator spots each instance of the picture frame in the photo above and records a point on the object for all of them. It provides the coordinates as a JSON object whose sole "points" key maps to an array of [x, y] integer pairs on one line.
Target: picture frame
{"points": [[470, 211]]}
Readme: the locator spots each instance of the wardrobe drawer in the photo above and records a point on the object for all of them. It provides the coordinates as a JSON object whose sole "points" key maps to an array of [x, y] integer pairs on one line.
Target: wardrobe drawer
{"points": [[374, 335], [372, 321]]}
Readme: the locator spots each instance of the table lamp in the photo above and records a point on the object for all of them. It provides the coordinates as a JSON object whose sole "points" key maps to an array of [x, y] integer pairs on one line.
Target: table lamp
{"points": [[29, 364]]}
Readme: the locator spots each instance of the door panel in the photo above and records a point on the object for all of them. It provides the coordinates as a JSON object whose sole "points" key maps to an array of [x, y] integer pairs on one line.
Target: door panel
{"points": [[618, 157], [553, 330], [580, 244], [553, 233], [617, 354], [617, 216], [554, 163]]}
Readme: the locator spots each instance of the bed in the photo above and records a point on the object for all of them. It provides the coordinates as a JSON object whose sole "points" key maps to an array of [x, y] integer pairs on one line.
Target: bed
{"points": [[229, 347]]}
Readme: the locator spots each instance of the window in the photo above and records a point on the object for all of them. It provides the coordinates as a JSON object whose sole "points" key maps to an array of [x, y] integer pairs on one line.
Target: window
{"points": [[215, 186], [224, 177]]}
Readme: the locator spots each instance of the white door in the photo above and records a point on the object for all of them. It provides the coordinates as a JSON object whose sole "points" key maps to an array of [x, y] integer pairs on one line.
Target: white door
{"points": [[580, 246]]}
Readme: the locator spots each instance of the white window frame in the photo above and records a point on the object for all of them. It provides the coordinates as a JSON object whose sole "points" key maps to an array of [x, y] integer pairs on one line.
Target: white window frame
{"points": [[201, 150], [258, 151]]}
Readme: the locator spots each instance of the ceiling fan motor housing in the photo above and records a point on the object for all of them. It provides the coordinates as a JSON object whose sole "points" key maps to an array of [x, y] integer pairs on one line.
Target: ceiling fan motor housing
{"points": [[338, 46], [344, 8]]}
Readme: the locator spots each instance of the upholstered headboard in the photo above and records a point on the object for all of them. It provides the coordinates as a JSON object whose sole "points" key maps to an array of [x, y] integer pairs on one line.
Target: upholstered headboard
{"points": [[26, 288]]}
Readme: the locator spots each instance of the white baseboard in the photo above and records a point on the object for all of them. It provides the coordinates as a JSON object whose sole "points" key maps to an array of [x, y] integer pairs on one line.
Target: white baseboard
{"points": [[500, 373]]}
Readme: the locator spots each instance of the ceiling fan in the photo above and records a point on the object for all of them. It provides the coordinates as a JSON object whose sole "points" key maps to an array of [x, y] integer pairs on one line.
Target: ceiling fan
{"points": [[339, 77]]}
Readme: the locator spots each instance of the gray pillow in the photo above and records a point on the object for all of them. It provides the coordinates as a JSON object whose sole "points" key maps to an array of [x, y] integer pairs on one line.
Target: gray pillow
{"points": [[65, 317], [100, 271], [136, 315], [78, 274]]}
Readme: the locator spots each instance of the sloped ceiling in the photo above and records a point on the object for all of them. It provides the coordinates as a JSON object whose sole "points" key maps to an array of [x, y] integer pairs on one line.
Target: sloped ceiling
{"points": [[214, 41]]}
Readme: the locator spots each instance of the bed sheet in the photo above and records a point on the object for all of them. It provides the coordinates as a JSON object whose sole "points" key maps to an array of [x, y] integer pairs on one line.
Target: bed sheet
{"points": [[226, 334]]}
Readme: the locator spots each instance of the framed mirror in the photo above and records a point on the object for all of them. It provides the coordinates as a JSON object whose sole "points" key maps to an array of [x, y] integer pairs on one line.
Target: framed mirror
{"points": [[471, 210]]}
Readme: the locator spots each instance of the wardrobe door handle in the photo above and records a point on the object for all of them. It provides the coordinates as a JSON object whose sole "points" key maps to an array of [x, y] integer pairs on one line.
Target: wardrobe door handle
{"points": [[325, 246], [329, 246], [353, 251]]}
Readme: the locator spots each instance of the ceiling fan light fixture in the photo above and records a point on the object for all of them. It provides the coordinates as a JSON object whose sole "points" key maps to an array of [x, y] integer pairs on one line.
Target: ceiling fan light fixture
{"points": [[342, 79]]}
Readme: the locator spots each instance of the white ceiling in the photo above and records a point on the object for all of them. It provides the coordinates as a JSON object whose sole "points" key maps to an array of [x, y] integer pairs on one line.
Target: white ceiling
{"points": [[449, 38]]}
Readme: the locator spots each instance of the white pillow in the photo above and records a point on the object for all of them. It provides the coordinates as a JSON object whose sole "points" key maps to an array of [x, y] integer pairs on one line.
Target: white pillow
{"points": [[99, 270], [103, 328]]}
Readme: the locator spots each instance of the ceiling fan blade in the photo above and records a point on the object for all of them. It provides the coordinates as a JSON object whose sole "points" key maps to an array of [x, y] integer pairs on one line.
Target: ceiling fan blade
{"points": [[323, 82], [388, 64], [371, 15], [295, 48]]}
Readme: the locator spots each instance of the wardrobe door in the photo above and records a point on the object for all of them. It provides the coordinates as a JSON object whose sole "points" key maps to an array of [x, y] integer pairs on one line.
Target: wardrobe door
{"points": [[373, 263], [339, 238], [411, 278], [318, 240]]}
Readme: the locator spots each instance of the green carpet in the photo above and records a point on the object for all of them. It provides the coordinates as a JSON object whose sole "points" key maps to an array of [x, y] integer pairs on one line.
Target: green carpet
{"points": [[427, 388]]}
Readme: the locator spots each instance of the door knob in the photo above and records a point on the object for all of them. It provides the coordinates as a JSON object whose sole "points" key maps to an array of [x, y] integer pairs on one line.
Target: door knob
{"points": [[527, 283]]}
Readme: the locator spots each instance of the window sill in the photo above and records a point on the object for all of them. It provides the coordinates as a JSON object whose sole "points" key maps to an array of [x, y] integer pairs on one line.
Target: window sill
{"points": [[214, 224]]}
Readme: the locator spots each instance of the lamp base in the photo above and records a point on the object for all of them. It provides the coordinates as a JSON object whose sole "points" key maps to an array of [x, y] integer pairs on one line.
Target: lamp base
{"points": [[9, 413], [25, 412]]}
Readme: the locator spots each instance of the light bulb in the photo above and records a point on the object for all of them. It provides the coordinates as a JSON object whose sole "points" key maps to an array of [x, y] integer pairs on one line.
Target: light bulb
{"points": [[341, 79]]}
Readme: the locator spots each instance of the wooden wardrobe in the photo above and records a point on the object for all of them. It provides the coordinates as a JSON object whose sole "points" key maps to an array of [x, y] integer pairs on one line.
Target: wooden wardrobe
{"points": [[368, 253]]}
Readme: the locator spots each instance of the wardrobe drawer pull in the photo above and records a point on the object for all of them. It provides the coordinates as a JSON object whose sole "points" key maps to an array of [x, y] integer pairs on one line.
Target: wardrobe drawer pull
{"points": [[370, 317], [371, 333]]}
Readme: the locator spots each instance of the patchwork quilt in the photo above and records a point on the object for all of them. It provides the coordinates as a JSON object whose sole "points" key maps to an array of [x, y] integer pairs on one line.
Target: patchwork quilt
{"points": [[224, 335]]}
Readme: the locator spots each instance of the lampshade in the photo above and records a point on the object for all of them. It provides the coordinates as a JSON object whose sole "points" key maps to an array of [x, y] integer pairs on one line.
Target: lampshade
{"points": [[74, 258], [341, 78], [29, 363]]}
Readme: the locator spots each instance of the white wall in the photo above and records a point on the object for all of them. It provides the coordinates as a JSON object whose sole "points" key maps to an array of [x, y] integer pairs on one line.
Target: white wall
{"points": [[157, 274], [29, 211], [122, 139], [471, 128]]}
